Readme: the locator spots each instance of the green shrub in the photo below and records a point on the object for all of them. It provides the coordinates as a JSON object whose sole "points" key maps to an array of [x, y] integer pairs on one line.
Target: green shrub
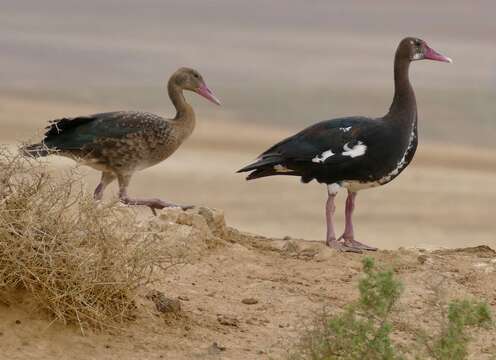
{"points": [[363, 329], [451, 344]]}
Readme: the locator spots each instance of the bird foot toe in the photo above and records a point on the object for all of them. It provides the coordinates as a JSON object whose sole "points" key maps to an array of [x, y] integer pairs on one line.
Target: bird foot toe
{"points": [[159, 205], [340, 246], [187, 207], [350, 242], [153, 204]]}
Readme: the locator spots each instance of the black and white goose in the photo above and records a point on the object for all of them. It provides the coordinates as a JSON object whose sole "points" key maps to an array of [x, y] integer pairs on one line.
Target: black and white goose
{"points": [[354, 152]]}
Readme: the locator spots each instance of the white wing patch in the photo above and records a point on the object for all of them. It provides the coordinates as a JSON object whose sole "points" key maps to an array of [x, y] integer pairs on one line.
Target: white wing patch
{"points": [[281, 169], [322, 157], [358, 150], [345, 129]]}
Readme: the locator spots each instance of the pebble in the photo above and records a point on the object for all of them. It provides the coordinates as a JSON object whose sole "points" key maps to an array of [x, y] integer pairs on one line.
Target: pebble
{"points": [[227, 320], [422, 259], [249, 301], [219, 347], [163, 303]]}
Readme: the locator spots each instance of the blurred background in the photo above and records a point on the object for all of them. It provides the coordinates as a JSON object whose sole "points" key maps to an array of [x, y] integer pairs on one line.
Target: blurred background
{"points": [[277, 66]]}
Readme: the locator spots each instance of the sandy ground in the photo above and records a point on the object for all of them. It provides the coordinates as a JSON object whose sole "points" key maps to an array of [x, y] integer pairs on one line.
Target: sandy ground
{"points": [[289, 282], [446, 197]]}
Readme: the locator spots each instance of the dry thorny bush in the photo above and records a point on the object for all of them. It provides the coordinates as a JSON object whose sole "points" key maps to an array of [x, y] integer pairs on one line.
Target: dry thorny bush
{"points": [[80, 261]]}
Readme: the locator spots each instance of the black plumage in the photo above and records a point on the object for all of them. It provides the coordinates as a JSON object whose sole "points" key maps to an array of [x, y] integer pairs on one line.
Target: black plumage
{"points": [[301, 154], [353, 152]]}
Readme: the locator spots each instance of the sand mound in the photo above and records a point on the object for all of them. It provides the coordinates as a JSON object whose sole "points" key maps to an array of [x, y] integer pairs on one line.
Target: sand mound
{"points": [[240, 296], [83, 262], [82, 280]]}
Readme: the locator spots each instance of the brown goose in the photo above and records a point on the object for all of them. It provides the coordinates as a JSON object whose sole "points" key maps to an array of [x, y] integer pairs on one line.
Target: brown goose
{"points": [[123, 142], [354, 152]]}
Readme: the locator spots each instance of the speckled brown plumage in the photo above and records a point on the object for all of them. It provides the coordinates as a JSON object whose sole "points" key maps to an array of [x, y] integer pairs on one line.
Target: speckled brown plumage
{"points": [[123, 142], [154, 140]]}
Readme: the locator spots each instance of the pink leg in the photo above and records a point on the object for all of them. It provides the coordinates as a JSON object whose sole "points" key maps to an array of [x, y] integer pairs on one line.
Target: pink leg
{"points": [[330, 209], [98, 194], [331, 234], [107, 178], [350, 207], [153, 204], [348, 235]]}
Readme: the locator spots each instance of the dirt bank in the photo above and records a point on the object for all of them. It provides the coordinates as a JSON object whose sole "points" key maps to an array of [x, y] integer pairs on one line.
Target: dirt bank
{"points": [[248, 297]]}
